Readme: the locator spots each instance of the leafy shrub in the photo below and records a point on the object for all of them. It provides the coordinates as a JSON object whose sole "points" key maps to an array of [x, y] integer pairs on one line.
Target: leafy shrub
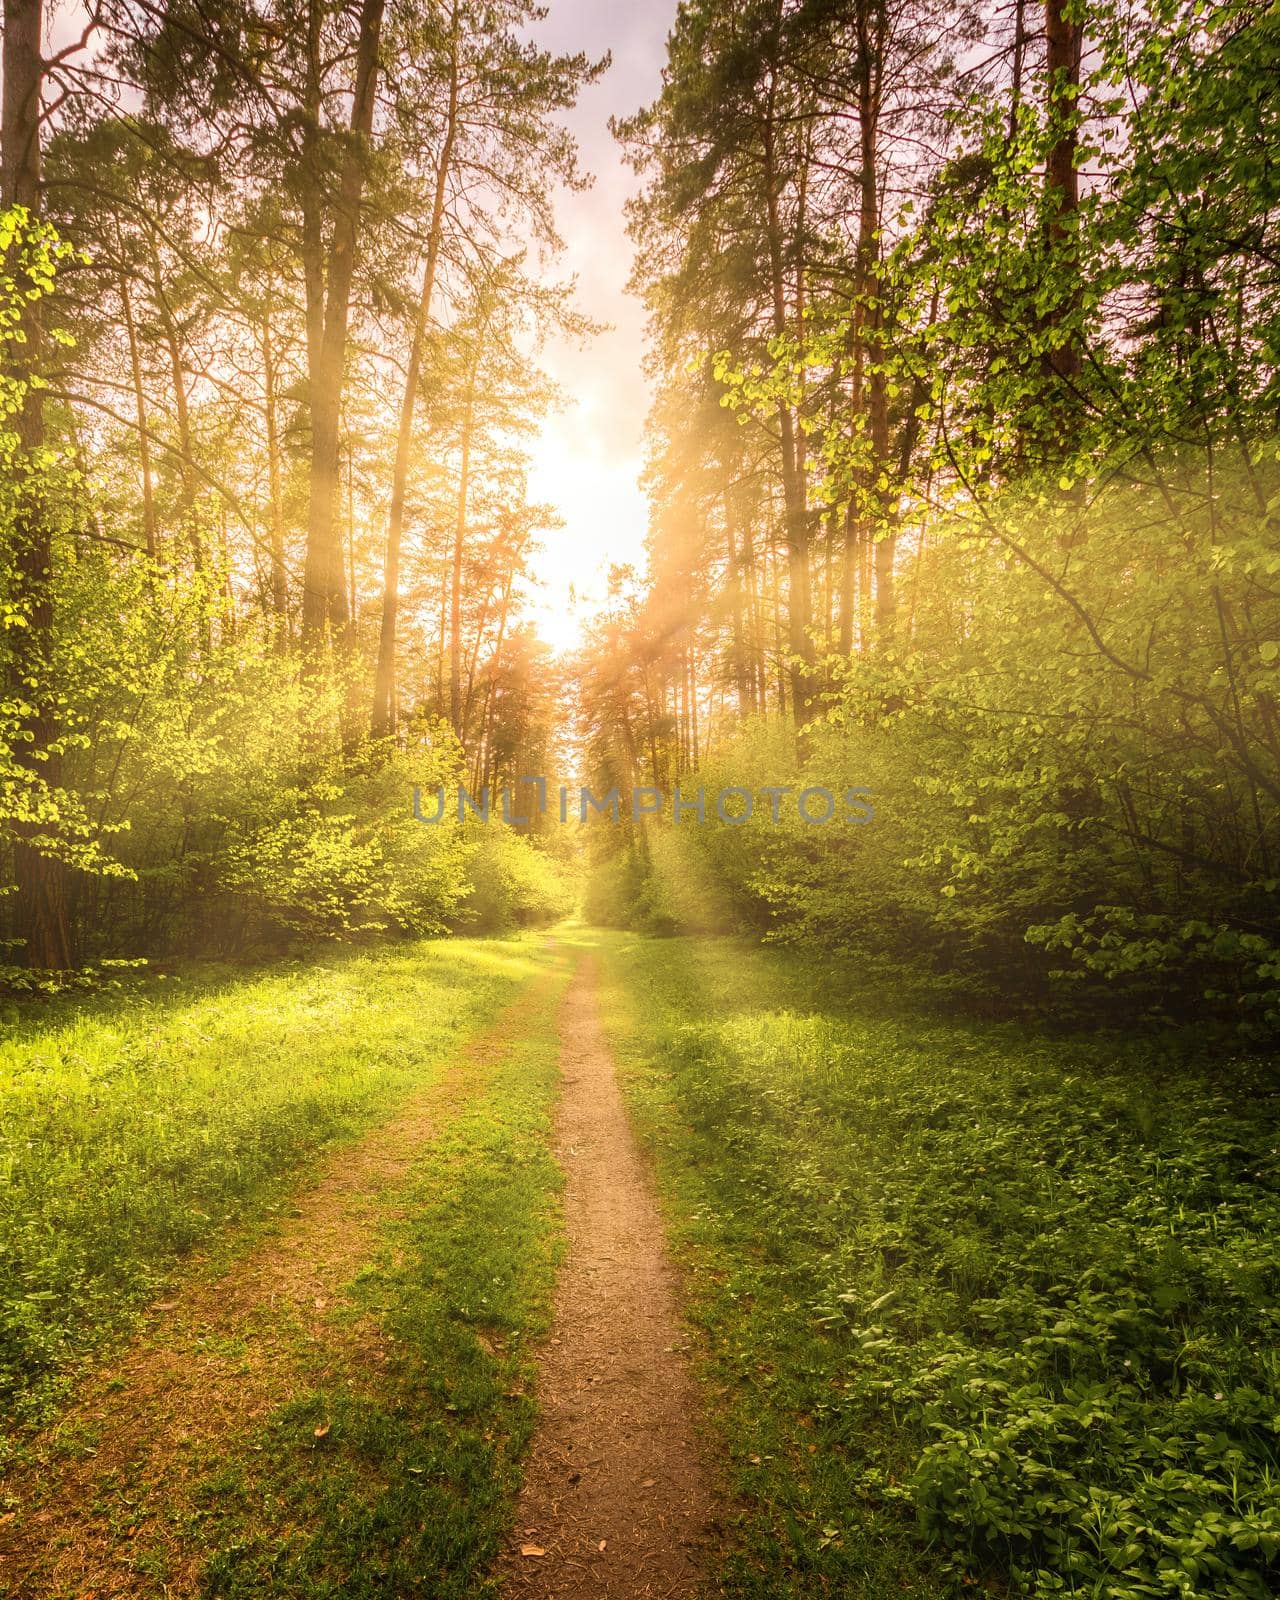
{"points": [[237, 810], [347, 856], [512, 882], [1066, 820], [614, 889]]}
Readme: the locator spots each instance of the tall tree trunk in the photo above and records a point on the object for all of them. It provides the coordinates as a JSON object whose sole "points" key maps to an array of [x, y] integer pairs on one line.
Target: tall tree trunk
{"points": [[477, 644], [312, 229], [831, 565], [692, 661], [848, 579], [182, 414], [455, 587], [651, 725], [140, 409], [775, 603], [384, 685], [755, 625], [41, 878], [865, 591], [488, 711], [880, 528], [743, 683], [352, 600], [795, 506], [442, 637], [324, 598], [275, 484], [1064, 38], [683, 764], [1019, 63]]}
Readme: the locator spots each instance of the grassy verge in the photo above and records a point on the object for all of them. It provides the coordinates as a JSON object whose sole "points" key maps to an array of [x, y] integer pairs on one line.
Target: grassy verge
{"points": [[979, 1307], [136, 1127], [396, 1474]]}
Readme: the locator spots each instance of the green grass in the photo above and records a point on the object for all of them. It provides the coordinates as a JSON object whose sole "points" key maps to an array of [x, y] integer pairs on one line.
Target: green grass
{"points": [[980, 1307], [137, 1126], [411, 1490]]}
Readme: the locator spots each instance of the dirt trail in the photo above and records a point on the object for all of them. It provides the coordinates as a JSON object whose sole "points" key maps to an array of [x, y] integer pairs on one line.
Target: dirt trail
{"points": [[615, 1492], [116, 1473]]}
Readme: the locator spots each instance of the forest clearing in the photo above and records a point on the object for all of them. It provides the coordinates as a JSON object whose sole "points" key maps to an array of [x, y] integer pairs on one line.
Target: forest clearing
{"points": [[639, 799]]}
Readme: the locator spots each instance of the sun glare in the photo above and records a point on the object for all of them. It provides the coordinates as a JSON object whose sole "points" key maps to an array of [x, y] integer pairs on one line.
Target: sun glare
{"points": [[605, 515]]}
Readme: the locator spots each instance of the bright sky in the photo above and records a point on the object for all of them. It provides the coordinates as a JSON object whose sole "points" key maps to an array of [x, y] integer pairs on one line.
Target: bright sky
{"points": [[588, 459]]}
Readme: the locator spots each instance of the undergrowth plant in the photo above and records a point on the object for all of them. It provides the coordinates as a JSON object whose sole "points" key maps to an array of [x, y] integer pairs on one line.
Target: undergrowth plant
{"points": [[1018, 1295]]}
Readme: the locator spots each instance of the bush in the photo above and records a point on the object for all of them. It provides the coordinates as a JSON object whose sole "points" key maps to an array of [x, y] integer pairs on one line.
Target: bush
{"points": [[512, 881], [224, 784]]}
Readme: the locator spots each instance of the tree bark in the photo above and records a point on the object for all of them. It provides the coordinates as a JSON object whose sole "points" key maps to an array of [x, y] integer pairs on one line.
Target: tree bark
{"points": [[41, 876], [140, 407], [1065, 38], [879, 528], [182, 414], [324, 599], [755, 624], [455, 588], [485, 591], [744, 684], [1019, 63], [488, 711], [275, 487], [384, 687], [848, 579], [794, 495]]}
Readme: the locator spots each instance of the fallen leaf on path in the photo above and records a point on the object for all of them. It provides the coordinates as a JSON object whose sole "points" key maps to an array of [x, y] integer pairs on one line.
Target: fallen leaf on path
{"points": [[532, 1550], [648, 1483]]}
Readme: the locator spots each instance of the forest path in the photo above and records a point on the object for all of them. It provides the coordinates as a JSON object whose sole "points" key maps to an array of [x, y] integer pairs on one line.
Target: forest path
{"points": [[112, 1495], [616, 1503]]}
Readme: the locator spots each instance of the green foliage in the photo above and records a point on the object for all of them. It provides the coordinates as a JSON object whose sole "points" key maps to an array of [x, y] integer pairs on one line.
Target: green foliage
{"points": [[211, 791], [613, 891], [1022, 1291], [1039, 501], [1076, 788], [56, 819], [512, 882], [343, 855], [237, 811], [660, 886], [28, 981]]}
